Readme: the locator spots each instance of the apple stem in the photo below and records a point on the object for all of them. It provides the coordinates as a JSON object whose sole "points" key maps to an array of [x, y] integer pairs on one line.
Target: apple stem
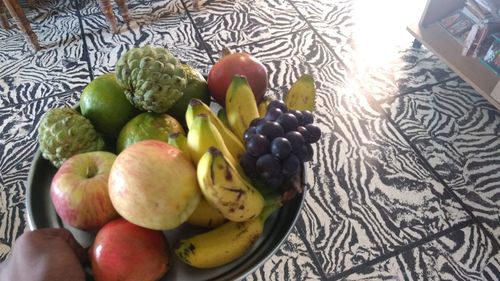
{"points": [[91, 171]]}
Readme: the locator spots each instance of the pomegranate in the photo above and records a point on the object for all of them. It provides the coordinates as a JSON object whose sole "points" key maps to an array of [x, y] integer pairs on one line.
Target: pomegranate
{"points": [[241, 63]]}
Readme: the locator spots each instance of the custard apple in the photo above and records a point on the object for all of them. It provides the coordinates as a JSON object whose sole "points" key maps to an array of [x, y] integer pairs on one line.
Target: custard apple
{"points": [[63, 132], [152, 77]]}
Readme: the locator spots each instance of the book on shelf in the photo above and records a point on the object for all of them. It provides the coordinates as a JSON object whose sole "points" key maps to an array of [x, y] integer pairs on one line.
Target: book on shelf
{"points": [[487, 6], [478, 37], [471, 40], [491, 59], [457, 24], [475, 9], [472, 24]]}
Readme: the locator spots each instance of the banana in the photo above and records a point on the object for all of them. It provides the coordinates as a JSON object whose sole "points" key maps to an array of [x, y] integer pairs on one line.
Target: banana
{"points": [[233, 144], [202, 135], [262, 106], [225, 243], [302, 94], [225, 189], [241, 107], [206, 216], [179, 140], [222, 115]]}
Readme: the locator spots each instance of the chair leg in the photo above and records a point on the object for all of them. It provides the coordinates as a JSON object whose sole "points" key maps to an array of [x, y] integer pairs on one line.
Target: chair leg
{"points": [[4, 22], [107, 10], [123, 9], [17, 14]]}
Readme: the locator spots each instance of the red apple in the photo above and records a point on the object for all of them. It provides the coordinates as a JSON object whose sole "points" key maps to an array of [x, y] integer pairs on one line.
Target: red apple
{"points": [[152, 184], [241, 63], [123, 251], [79, 190]]}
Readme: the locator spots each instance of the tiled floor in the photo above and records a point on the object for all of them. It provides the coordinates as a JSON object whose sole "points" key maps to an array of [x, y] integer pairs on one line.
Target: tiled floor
{"points": [[405, 183]]}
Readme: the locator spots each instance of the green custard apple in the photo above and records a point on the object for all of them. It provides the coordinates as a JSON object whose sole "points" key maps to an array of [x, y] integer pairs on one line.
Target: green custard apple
{"points": [[63, 132], [152, 77]]}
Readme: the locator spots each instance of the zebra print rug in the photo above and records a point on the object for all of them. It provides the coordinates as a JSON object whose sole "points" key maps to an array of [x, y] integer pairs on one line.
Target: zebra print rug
{"points": [[405, 182]]}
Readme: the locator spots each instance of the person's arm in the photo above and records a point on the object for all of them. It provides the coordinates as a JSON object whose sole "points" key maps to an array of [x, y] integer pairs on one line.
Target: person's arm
{"points": [[45, 254]]}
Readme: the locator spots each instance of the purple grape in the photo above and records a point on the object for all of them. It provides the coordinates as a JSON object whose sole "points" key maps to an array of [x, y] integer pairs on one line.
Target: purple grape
{"points": [[249, 133], [301, 153], [268, 166], [295, 139], [258, 145], [288, 121], [310, 152], [248, 162], [270, 129], [281, 147], [290, 166], [314, 133], [303, 131], [307, 117], [276, 181], [277, 104], [273, 114], [298, 115], [256, 122]]}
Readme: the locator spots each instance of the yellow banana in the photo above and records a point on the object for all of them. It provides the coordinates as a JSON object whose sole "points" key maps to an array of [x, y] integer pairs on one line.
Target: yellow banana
{"points": [[302, 94], [179, 140], [233, 144], [202, 135], [225, 243], [241, 107], [262, 106], [225, 189], [205, 215]]}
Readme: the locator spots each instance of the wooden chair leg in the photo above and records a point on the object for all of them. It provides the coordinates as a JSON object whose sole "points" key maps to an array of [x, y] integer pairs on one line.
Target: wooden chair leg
{"points": [[107, 10], [17, 14], [122, 5], [4, 22]]}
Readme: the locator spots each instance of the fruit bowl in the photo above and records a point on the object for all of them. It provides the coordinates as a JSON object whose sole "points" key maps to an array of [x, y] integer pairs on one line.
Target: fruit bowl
{"points": [[41, 214]]}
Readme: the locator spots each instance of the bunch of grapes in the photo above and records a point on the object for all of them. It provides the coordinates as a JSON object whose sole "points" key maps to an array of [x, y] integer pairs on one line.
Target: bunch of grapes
{"points": [[277, 144]]}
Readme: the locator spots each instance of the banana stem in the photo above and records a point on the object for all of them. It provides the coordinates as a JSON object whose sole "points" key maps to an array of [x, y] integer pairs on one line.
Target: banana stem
{"points": [[272, 204]]}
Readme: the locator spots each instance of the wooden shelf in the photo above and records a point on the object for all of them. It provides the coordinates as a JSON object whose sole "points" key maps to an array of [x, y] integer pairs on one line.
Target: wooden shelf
{"points": [[430, 33], [443, 45]]}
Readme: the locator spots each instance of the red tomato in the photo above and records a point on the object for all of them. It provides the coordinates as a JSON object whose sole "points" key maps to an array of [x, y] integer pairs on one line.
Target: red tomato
{"points": [[222, 72]]}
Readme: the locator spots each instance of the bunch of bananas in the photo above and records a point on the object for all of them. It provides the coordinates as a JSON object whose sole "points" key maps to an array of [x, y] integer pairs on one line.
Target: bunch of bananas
{"points": [[231, 206]]}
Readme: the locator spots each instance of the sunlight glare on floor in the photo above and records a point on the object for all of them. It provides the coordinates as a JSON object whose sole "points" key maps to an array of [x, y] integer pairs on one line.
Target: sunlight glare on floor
{"points": [[380, 27]]}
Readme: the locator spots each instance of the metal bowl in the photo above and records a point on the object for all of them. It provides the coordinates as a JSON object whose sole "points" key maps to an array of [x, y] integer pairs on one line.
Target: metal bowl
{"points": [[41, 214]]}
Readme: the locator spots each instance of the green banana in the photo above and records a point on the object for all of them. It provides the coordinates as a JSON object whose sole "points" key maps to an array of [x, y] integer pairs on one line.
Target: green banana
{"points": [[233, 144], [225, 243], [179, 140], [206, 215], [241, 106], [222, 115], [202, 135], [225, 189]]}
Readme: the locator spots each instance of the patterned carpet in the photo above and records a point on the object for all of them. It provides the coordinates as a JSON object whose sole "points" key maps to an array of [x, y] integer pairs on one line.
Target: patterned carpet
{"points": [[405, 182]]}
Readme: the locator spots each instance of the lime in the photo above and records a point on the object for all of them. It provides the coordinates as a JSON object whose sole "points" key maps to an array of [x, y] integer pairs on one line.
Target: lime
{"points": [[147, 125], [197, 87], [104, 103]]}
